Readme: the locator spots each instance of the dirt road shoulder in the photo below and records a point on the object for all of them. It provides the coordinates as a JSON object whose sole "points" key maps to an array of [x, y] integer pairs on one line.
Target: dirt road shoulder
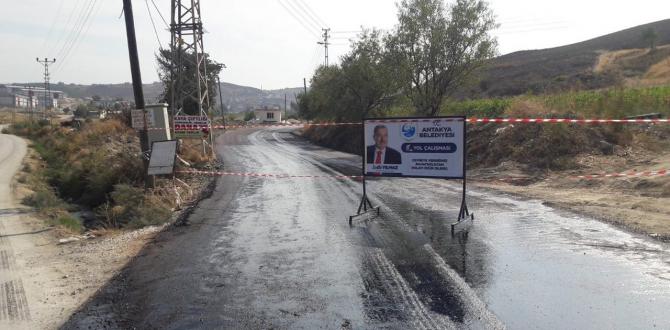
{"points": [[43, 282]]}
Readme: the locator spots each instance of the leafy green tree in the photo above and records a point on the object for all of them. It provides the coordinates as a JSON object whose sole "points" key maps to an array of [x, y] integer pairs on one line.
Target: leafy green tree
{"points": [[323, 100], [436, 48], [650, 37], [164, 59], [369, 84]]}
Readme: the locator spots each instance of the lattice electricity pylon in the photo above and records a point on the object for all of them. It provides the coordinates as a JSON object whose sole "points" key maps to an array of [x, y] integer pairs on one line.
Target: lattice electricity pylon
{"points": [[187, 48]]}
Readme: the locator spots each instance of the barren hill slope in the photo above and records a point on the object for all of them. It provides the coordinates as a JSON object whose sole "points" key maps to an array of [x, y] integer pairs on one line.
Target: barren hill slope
{"points": [[566, 67]]}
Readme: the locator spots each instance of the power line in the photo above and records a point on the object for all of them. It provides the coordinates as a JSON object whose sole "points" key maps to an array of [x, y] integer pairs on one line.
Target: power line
{"points": [[160, 14], [75, 44], [76, 30], [85, 27], [323, 23], [307, 14], [298, 20], [146, 2], [303, 17], [63, 33], [347, 32]]}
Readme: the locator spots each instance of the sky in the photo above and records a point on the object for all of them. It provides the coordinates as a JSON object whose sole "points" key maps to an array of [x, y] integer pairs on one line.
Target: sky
{"points": [[267, 44]]}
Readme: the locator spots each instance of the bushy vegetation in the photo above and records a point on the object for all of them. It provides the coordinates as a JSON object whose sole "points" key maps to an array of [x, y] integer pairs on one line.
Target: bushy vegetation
{"points": [[95, 168], [432, 52], [611, 103], [46, 201]]}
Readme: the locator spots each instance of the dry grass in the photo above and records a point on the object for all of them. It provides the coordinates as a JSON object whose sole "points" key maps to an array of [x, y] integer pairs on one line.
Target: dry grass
{"points": [[526, 108], [659, 70], [192, 151], [609, 60]]}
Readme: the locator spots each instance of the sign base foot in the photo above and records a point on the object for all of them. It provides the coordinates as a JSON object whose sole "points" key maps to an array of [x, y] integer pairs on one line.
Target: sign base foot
{"points": [[369, 214]]}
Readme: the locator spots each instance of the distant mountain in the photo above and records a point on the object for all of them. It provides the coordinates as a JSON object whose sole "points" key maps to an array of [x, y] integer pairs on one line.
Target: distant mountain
{"points": [[236, 98], [241, 98], [566, 67]]}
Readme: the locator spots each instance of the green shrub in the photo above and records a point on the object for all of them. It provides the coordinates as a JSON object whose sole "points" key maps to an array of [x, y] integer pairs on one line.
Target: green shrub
{"points": [[43, 199], [482, 108], [129, 207], [70, 223]]}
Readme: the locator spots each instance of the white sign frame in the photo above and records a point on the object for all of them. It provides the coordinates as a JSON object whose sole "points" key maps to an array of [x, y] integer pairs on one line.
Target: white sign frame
{"points": [[137, 119], [163, 163], [412, 139]]}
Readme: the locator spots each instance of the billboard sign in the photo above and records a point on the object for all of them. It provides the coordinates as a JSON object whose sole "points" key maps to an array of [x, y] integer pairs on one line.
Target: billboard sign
{"points": [[415, 147], [191, 127]]}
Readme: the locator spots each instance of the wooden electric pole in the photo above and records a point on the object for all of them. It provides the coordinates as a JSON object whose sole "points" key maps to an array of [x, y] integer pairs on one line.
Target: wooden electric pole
{"points": [[137, 85]]}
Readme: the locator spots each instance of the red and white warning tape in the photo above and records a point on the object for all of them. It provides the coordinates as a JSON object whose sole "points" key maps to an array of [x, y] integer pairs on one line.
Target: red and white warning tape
{"points": [[267, 175], [624, 175], [469, 120], [566, 120]]}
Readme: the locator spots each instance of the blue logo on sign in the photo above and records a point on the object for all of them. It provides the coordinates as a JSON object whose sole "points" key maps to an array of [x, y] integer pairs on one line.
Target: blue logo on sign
{"points": [[408, 131]]}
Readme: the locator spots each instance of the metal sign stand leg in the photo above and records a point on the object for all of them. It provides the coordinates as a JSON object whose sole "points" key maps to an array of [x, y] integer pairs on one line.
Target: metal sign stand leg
{"points": [[365, 208], [465, 218]]}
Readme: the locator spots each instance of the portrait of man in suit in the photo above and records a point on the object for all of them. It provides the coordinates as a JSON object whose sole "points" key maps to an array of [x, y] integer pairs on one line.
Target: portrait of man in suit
{"points": [[380, 153]]}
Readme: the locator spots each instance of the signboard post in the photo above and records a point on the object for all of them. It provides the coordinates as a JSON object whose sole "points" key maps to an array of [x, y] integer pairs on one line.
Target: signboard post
{"points": [[415, 148]]}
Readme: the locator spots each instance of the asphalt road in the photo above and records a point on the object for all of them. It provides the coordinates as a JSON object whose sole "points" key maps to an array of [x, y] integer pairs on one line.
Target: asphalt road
{"points": [[265, 253]]}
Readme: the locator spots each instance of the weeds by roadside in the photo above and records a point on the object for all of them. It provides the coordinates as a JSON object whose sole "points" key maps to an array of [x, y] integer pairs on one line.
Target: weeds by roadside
{"points": [[97, 170]]}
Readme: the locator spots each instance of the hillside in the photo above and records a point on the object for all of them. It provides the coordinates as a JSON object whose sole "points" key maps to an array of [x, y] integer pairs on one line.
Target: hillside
{"points": [[237, 98], [565, 68]]}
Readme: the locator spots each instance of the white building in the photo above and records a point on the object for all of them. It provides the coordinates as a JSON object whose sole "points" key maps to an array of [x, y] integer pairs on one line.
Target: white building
{"points": [[268, 115], [27, 97]]}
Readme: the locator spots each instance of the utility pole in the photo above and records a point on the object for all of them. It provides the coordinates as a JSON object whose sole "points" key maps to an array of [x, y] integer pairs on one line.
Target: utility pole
{"points": [[137, 84], [325, 43], [223, 115], [30, 102], [304, 82], [285, 106], [47, 87]]}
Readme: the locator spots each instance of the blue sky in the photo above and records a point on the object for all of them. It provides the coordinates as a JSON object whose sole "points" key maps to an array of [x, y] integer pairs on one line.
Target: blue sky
{"points": [[261, 41]]}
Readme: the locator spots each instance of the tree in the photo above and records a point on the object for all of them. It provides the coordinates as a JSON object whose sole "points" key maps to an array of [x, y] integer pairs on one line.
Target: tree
{"points": [[368, 76], [650, 37], [324, 99], [213, 68], [436, 49]]}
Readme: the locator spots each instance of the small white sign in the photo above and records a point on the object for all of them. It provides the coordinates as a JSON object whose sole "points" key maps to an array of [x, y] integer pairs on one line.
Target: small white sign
{"points": [[415, 147], [138, 119]]}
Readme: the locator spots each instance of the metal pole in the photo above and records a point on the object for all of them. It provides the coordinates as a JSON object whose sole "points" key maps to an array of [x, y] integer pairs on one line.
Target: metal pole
{"points": [[223, 115], [464, 207], [137, 84]]}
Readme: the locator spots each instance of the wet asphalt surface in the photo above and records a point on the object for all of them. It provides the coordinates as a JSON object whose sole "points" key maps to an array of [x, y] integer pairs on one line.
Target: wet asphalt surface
{"points": [[264, 253]]}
